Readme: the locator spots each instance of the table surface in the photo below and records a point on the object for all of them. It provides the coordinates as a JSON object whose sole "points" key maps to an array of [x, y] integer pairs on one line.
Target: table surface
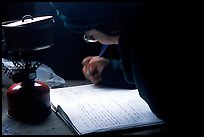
{"points": [[53, 125]]}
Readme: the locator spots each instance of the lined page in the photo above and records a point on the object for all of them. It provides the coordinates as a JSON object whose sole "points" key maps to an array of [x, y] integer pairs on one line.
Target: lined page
{"points": [[94, 109]]}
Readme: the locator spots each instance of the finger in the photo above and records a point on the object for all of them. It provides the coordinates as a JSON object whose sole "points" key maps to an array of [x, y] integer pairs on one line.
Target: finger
{"points": [[84, 71], [90, 73], [92, 68], [95, 80], [87, 75], [86, 60], [95, 59]]}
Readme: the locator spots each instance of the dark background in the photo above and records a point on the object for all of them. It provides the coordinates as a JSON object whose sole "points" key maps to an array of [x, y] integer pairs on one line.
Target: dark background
{"points": [[66, 55]]}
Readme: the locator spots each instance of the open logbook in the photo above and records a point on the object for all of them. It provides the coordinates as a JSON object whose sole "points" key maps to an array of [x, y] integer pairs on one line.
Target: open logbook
{"points": [[94, 109]]}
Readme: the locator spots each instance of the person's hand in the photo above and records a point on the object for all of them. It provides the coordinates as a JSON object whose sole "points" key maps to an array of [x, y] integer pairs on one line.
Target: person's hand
{"points": [[102, 37], [92, 68]]}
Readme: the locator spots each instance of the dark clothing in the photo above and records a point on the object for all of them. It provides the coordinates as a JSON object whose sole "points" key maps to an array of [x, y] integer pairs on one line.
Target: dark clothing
{"points": [[157, 56], [80, 17]]}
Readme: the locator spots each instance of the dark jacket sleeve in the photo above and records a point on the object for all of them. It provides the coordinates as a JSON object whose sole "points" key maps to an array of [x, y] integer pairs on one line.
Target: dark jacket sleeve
{"points": [[113, 76]]}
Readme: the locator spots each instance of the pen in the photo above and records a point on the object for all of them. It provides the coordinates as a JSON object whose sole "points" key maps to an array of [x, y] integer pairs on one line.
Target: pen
{"points": [[103, 49]]}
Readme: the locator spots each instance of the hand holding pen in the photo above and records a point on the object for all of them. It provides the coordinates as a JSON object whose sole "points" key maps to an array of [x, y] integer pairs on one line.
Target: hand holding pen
{"points": [[93, 65]]}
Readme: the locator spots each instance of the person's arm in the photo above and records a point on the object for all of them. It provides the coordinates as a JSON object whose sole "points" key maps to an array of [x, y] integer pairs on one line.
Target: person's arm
{"points": [[113, 76], [113, 73]]}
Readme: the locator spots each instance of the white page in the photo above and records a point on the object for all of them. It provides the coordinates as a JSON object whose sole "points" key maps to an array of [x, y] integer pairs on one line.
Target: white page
{"points": [[91, 108]]}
